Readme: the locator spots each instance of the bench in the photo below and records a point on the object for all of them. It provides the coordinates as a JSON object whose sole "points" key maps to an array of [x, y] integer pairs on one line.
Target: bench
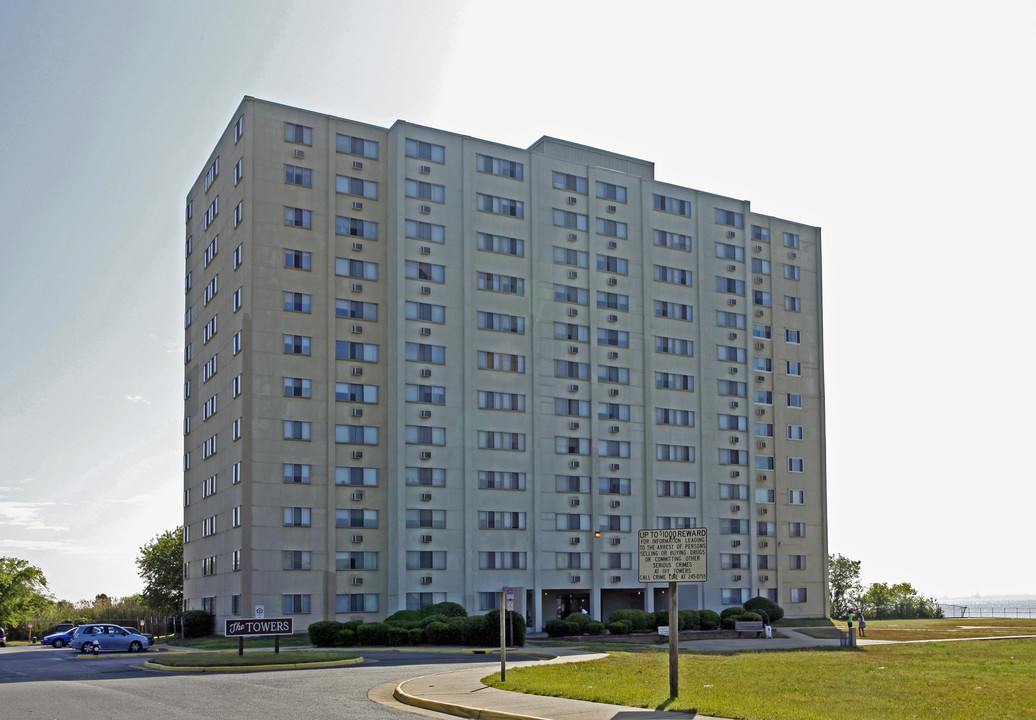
{"points": [[663, 632], [742, 626]]}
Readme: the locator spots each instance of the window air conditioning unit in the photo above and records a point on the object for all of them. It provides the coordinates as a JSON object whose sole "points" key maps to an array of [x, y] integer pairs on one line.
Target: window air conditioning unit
{"points": [[733, 403], [573, 463], [764, 578], [357, 581], [574, 502], [573, 237], [425, 455], [575, 578], [763, 543], [612, 245], [425, 414], [613, 318], [357, 454], [613, 392], [735, 473], [732, 370], [616, 578], [731, 268], [299, 153], [611, 208], [735, 508], [734, 439], [735, 578], [357, 412], [357, 287], [731, 301], [761, 444], [426, 497], [425, 250], [572, 312], [357, 165], [573, 388], [614, 540], [760, 411], [357, 538], [735, 543], [613, 281], [613, 428], [573, 541], [425, 209], [425, 331], [757, 248], [758, 280], [571, 200], [425, 169], [759, 346], [425, 290], [358, 495], [426, 539], [573, 349], [426, 372], [357, 328], [760, 378], [357, 371], [613, 355], [613, 466], [730, 233], [573, 426], [762, 477], [763, 511], [732, 336], [357, 246], [357, 206], [614, 503], [792, 256], [426, 580], [758, 313]]}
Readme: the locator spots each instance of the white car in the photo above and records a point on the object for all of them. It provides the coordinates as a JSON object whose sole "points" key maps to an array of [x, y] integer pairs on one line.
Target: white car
{"points": [[107, 638]]}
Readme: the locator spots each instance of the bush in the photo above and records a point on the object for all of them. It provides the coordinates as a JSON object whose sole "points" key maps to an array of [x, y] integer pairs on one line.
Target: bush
{"points": [[416, 636], [709, 620], [556, 628], [449, 609], [353, 625], [731, 612], [404, 618], [491, 629], [373, 634], [750, 617], [398, 635], [439, 633], [426, 621], [595, 628], [773, 611], [690, 620], [618, 627], [580, 621], [324, 633], [345, 637], [661, 618], [470, 628], [196, 623], [639, 620]]}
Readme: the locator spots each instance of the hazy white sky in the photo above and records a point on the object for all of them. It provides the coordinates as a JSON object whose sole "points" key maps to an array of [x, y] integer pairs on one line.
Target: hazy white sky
{"points": [[903, 129]]}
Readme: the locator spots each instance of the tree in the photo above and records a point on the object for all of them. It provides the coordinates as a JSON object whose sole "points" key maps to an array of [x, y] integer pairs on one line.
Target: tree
{"points": [[845, 587], [899, 601], [22, 588], [161, 567]]}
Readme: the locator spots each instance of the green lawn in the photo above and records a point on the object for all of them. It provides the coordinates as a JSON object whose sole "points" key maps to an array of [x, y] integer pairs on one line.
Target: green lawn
{"points": [[262, 657], [936, 629], [218, 642], [963, 680]]}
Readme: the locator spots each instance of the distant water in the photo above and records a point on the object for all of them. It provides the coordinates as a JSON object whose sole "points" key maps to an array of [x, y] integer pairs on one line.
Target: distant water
{"points": [[990, 606]]}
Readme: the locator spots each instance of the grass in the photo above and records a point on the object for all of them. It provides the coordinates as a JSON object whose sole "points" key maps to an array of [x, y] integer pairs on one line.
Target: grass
{"points": [[218, 642], [262, 657], [941, 629], [927, 680]]}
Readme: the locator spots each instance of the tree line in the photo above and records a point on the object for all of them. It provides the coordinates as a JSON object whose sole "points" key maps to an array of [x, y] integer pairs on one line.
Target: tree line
{"points": [[879, 601]]}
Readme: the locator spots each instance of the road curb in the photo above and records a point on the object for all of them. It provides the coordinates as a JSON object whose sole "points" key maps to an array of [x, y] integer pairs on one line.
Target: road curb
{"points": [[253, 668], [456, 709]]}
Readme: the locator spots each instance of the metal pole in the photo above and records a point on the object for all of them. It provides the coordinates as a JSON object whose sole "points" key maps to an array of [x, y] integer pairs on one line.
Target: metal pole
{"points": [[503, 638], [674, 643]]}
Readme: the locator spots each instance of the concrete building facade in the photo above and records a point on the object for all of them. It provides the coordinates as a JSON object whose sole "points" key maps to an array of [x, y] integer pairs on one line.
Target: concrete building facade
{"points": [[420, 367]]}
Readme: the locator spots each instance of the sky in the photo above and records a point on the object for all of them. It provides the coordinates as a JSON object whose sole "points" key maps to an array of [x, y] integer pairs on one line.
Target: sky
{"points": [[903, 129]]}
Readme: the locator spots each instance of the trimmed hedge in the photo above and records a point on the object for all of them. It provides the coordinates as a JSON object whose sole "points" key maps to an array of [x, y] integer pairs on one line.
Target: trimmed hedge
{"points": [[764, 605], [640, 621], [556, 628], [619, 627], [595, 628], [709, 620], [324, 633]]}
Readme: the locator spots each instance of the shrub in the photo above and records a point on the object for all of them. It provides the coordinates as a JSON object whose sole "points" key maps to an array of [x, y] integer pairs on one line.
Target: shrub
{"points": [[345, 637], [750, 617], [373, 634], [491, 629], [449, 609], [773, 611], [595, 628], [324, 633], [404, 618], [352, 625], [416, 636], [661, 618], [618, 627], [196, 623], [439, 633], [426, 621], [731, 612], [556, 628], [639, 620], [709, 620], [690, 620], [580, 621], [398, 635], [470, 628]]}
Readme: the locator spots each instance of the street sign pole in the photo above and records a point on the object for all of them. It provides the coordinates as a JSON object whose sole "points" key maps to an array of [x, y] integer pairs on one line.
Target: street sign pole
{"points": [[503, 637], [674, 642]]}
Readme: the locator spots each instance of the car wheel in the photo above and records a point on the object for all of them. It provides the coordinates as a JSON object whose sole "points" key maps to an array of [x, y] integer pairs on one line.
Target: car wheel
{"points": [[135, 646], [87, 647], [59, 643]]}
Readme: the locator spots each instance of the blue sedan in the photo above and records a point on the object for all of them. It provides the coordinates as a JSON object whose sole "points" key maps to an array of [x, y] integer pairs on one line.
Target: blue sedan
{"points": [[58, 639], [105, 638]]}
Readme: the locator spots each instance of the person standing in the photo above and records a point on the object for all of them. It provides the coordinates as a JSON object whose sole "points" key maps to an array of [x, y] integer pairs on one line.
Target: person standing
{"points": [[862, 624]]}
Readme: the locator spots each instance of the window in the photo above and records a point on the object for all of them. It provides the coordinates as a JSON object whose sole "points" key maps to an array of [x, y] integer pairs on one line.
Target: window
{"points": [[678, 311], [423, 435], [208, 567], [791, 240], [733, 422], [295, 175], [501, 561], [567, 256], [792, 272], [766, 529], [360, 188], [425, 151], [210, 329], [488, 440], [571, 521], [354, 227], [236, 300], [793, 337], [763, 299], [209, 369], [297, 473], [609, 263], [728, 217], [425, 312], [235, 473], [674, 346], [793, 369], [356, 146], [764, 462], [422, 352], [675, 488], [610, 192], [794, 432], [425, 271], [356, 518], [671, 205], [761, 364], [733, 457], [792, 304], [575, 221], [796, 497], [572, 483], [297, 387], [426, 477], [572, 407], [296, 560], [356, 476], [239, 129], [613, 448], [505, 362], [426, 518], [760, 266], [733, 526], [729, 491], [297, 516], [735, 561], [497, 480], [501, 323], [794, 400], [730, 319], [734, 596], [571, 183], [426, 560], [501, 244], [676, 241], [763, 430], [433, 394], [501, 283], [297, 430], [421, 190], [298, 259], [615, 338], [239, 256], [295, 604], [572, 294], [674, 381], [501, 206], [363, 352], [730, 252], [488, 400], [613, 486], [614, 374], [727, 353], [797, 529], [614, 523], [766, 562], [615, 411], [356, 310], [668, 522], [730, 285], [239, 213], [356, 392], [297, 217], [298, 302], [425, 231], [358, 602], [499, 166], [572, 446], [356, 560], [298, 134], [212, 212], [674, 453], [571, 331], [491, 520], [211, 250], [674, 416], [571, 369], [359, 269], [763, 332], [356, 435], [677, 276], [612, 228], [761, 234]]}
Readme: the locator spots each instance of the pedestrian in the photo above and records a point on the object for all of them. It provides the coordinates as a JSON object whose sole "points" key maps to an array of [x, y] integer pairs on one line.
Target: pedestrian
{"points": [[863, 624]]}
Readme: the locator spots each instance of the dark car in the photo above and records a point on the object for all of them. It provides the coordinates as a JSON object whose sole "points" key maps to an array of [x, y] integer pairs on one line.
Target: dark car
{"points": [[60, 638], [3, 637], [149, 636]]}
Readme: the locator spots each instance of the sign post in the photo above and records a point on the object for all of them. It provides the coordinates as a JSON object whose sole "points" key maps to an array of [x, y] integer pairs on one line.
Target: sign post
{"points": [[673, 556], [503, 636]]}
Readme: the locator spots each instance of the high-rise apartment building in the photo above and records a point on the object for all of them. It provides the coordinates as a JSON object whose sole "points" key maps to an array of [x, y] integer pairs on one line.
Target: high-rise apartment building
{"points": [[421, 366]]}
